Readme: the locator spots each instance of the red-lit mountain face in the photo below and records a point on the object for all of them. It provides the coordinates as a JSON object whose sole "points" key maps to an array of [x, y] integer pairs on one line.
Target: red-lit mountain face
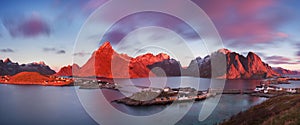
{"points": [[68, 70], [238, 66], [105, 62]]}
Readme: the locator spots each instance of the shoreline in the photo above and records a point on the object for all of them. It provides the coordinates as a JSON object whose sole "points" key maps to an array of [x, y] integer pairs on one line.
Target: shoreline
{"points": [[283, 109], [38, 83]]}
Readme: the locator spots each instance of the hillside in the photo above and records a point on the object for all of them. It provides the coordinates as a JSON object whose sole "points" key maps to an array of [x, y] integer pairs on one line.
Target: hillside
{"points": [[35, 78], [282, 110], [28, 77]]}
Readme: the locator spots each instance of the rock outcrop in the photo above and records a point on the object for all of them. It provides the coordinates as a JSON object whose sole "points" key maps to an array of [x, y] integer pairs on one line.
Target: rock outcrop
{"points": [[68, 70], [167, 67]]}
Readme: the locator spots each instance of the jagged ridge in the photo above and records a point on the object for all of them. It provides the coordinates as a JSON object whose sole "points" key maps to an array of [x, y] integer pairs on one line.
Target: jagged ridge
{"points": [[105, 62], [7, 67]]}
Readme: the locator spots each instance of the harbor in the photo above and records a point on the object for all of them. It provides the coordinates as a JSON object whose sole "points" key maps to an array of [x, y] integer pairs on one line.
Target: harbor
{"points": [[161, 96]]}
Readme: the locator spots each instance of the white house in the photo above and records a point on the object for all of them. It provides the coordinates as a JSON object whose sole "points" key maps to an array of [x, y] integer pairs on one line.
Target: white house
{"points": [[259, 88], [291, 90]]}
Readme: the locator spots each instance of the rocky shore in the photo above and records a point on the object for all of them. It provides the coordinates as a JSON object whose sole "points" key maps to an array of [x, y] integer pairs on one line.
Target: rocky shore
{"points": [[281, 110], [152, 96]]}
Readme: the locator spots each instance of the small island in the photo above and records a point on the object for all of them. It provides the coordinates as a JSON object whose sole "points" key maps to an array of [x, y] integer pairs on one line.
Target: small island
{"points": [[35, 78], [156, 96]]}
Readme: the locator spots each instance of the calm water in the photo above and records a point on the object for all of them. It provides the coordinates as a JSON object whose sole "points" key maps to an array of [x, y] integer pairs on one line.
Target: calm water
{"points": [[294, 84], [39, 105]]}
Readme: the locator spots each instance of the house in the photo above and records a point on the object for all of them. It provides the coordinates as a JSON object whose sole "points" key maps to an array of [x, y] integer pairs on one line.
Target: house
{"points": [[151, 90], [290, 90], [167, 89], [278, 89], [269, 88], [259, 88]]}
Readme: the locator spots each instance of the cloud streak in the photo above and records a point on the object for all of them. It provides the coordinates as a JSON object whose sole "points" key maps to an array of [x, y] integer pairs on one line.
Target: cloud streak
{"points": [[81, 54], [7, 50], [279, 60], [54, 50], [61, 52]]}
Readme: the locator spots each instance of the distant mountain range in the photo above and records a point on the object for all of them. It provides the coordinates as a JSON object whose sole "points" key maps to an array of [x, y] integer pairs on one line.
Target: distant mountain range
{"points": [[102, 60], [285, 71], [106, 62], [7, 67], [238, 66]]}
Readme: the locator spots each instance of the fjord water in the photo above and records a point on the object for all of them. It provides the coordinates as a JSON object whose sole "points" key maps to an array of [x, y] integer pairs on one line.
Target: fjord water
{"points": [[36, 105]]}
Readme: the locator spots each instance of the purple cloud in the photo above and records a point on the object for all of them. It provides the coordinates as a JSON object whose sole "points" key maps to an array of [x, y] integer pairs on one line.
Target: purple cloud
{"points": [[281, 58], [143, 19], [244, 23], [30, 26], [281, 62], [298, 53], [240, 23], [7, 50]]}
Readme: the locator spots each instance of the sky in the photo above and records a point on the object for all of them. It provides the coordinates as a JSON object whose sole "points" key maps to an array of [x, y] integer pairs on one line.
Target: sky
{"points": [[56, 31]]}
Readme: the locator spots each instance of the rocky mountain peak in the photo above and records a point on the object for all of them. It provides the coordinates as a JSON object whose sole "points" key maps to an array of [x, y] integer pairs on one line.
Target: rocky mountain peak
{"points": [[105, 45], [7, 60], [42, 63], [224, 51]]}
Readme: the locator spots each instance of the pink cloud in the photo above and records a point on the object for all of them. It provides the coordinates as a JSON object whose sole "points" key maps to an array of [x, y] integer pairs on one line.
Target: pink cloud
{"points": [[245, 22], [278, 58], [282, 35], [238, 22], [281, 62]]}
